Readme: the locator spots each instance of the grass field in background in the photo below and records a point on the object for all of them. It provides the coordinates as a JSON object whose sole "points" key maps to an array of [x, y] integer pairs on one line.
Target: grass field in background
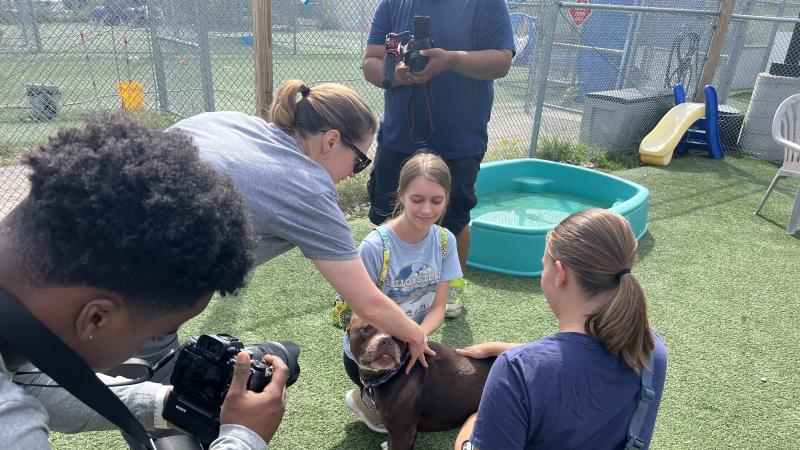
{"points": [[721, 286], [87, 75]]}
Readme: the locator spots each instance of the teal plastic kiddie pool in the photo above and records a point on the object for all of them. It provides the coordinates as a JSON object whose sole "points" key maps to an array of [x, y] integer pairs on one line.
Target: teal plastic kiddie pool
{"points": [[520, 200]]}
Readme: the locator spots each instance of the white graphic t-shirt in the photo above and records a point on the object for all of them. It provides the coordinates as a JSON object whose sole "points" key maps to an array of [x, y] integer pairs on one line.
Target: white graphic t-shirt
{"points": [[415, 270]]}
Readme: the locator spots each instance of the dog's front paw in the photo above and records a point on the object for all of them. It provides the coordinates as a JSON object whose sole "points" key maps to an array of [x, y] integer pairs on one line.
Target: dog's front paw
{"points": [[385, 445]]}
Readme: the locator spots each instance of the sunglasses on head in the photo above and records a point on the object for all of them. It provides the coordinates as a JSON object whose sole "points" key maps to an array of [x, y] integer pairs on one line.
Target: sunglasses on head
{"points": [[362, 161]]}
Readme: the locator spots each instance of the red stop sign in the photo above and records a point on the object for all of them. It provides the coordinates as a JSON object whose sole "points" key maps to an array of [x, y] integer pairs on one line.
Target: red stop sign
{"points": [[579, 15]]}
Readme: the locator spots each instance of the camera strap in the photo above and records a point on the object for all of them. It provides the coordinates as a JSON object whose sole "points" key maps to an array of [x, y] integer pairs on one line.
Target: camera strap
{"points": [[411, 116], [27, 336], [647, 394]]}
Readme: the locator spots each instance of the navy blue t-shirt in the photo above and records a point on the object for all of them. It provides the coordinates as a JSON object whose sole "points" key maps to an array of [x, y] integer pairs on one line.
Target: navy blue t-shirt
{"points": [[459, 106], [565, 391]]}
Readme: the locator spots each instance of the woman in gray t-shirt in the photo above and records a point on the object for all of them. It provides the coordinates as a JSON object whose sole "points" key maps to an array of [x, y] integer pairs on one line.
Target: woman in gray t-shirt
{"points": [[287, 171]]}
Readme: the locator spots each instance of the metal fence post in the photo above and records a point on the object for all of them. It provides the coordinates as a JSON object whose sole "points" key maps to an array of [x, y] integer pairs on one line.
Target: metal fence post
{"points": [[773, 33], [624, 60], [201, 9], [158, 59], [544, 68], [30, 15]]}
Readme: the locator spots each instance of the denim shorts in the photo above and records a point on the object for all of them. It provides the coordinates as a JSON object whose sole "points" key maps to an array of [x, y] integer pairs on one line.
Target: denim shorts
{"points": [[385, 174]]}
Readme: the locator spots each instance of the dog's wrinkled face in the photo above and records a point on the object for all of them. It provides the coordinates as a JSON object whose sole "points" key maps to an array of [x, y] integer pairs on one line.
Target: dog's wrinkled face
{"points": [[375, 352]]}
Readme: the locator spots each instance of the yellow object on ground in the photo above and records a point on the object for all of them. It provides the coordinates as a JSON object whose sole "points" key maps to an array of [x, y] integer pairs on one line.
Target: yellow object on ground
{"points": [[657, 147], [132, 95]]}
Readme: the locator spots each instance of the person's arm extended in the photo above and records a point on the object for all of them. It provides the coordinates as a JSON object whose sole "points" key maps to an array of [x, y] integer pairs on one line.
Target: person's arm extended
{"points": [[435, 316], [350, 279], [372, 65], [67, 414], [485, 350], [480, 64]]}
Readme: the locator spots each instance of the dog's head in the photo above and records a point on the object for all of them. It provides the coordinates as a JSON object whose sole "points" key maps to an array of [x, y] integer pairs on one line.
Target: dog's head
{"points": [[375, 352]]}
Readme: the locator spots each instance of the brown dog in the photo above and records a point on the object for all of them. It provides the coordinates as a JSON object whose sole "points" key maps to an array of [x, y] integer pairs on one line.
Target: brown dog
{"points": [[438, 398]]}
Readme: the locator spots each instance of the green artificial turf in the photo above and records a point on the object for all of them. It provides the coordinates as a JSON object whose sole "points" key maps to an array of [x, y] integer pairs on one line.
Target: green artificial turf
{"points": [[722, 288]]}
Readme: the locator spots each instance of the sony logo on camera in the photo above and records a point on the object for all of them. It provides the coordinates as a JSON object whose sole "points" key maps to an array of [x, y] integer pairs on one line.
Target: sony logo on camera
{"points": [[203, 373]]}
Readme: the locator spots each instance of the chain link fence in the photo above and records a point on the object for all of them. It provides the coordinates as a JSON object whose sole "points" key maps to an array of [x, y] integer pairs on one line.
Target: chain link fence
{"points": [[584, 74], [606, 72], [756, 74], [62, 62], [611, 70]]}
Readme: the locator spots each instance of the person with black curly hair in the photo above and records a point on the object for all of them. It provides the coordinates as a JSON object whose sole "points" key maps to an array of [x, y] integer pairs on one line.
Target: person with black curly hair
{"points": [[125, 235]]}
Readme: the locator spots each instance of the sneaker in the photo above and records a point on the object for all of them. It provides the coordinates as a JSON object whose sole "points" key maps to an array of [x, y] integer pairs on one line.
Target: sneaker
{"points": [[368, 415], [455, 305]]}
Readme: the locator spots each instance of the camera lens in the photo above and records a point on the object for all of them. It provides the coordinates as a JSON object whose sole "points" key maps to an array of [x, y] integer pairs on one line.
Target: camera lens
{"points": [[287, 351]]}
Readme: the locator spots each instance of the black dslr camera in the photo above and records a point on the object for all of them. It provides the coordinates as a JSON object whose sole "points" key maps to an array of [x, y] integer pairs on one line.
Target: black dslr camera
{"points": [[397, 50], [420, 40], [202, 376]]}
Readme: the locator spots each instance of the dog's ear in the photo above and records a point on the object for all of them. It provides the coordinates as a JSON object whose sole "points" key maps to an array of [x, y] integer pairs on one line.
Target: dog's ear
{"points": [[353, 319]]}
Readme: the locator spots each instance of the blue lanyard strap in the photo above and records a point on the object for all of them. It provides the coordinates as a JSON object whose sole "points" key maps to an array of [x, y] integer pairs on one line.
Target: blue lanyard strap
{"points": [[646, 397]]}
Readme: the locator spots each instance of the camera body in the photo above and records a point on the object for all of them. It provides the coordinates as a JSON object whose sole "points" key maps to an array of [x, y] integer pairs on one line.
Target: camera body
{"points": [[202, 375], [408, 52], [420, 40]]}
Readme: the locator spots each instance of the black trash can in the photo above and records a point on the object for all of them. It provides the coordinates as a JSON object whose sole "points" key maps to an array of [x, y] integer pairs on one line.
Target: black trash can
{"points": [[45, 101], [730, 124]]}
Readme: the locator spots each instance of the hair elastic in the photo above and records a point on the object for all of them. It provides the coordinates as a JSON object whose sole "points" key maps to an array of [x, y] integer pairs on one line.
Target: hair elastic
{"points": [[618, 275], [305, 91]]}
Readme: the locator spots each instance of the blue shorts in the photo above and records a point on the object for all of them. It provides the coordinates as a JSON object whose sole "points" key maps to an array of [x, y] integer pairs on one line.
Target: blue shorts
{"points": [[385, 174]]}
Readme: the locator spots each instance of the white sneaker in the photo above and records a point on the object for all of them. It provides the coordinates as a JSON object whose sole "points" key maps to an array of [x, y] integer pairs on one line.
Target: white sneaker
{"points": [[455, 304], [453, 310], [368, 415]]}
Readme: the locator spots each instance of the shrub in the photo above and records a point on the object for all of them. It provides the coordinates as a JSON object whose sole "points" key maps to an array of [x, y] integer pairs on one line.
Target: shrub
{"points": [[155, 119], [353, 196], [580, 154]]}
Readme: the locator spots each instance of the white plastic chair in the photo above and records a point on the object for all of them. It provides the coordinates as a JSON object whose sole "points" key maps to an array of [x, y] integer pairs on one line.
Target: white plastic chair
{"points": [[786, 132]]}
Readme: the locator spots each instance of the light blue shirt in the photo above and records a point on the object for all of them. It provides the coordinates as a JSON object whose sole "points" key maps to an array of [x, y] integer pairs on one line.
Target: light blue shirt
{"points": [[415, 270]]}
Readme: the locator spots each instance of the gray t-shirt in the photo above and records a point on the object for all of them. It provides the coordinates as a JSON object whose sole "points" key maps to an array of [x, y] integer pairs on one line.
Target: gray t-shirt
{"points": [[27, 414], [292, 199], [415, 270]]}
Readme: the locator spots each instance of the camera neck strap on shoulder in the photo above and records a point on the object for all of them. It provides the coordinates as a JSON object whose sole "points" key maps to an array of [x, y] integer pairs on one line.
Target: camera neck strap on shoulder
{"points": [[646, 396], [27, 336], [386, 246]]}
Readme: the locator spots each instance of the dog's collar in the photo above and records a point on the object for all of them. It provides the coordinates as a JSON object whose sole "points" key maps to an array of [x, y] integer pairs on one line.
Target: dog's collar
{"points": [[383, 379]]}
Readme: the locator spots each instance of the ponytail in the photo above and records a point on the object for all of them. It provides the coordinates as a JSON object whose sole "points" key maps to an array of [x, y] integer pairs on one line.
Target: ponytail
{"points": [[300, 111], [621, 324], [282, 111], [599, 246]]}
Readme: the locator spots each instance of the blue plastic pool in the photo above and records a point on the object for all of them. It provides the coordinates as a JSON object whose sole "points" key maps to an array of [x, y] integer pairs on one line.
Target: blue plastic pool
{"points": [[520, 200]]}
